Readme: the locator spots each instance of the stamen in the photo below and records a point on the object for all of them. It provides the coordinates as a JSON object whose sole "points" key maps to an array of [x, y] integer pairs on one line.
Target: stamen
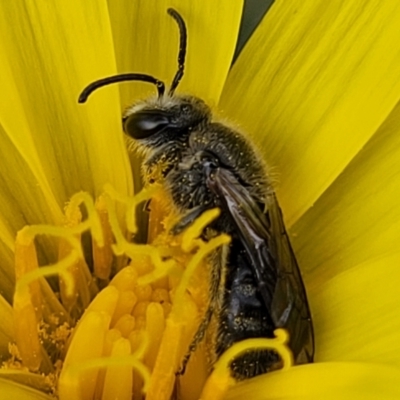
{"points": [[26, 331], [79, 375], [25, 263], [123, 247], [125, 304], [155, 324], [183, 316], [28, 303], [125, 325], [61, 267], [118, 379], [126, 279], [139, 343], [92, 222], [143, 292], [76, 381], [103, 255], [105, 301], [131, 203], [112, 336], [200, 255], [140, 309], [74, 288], [175, 341]]}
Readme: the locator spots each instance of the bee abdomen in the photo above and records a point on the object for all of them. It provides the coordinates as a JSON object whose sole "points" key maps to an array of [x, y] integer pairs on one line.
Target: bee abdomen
{"points": [[244, 315]]}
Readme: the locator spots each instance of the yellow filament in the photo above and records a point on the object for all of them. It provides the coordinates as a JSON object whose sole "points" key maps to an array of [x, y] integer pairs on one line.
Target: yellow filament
{"points": [[161, 268], [155, 324], [141, 264], [27, 297], [120, 240], [131, 203], [139, 343], [87, 343], [178, 333], [118, 379], [189, 239], [102, 255], [92, 223], [26, 331], [62, 266], [25, 263], [200, 255], [111, 336], [125, 304], [105, 301], [221, 380], [123, 247], [163, 376], [169, 267], [125, 279], [74, 284], [75, 383]]}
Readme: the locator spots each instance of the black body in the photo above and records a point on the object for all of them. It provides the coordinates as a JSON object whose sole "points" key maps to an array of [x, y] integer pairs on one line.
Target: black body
{"points": [[204, 164]]}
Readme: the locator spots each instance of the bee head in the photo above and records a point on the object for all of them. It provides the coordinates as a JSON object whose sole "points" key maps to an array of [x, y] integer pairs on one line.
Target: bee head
{"points": [[165, 116], [157, 121]]}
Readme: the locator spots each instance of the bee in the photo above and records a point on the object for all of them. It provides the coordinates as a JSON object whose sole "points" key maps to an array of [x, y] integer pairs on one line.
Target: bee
{"points": [[256, 285]]}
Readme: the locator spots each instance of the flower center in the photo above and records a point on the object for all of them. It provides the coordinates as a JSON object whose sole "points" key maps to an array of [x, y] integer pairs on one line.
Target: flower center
{"points": [[100, 336], [115, 318]]}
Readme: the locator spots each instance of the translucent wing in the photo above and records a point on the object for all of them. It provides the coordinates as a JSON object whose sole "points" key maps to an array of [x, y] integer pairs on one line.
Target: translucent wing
{"points": [[267, 245]]}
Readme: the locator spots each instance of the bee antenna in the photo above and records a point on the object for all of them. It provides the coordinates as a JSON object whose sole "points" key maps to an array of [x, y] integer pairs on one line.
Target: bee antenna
{"points": [[182, 49], [121, 78]]}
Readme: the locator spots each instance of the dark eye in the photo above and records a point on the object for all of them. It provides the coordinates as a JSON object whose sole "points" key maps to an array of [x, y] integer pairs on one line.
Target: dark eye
{"points": [[144, 124]]}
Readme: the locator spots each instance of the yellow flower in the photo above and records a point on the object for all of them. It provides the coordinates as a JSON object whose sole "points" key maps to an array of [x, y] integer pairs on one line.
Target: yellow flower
{"points": [[317, 89]]}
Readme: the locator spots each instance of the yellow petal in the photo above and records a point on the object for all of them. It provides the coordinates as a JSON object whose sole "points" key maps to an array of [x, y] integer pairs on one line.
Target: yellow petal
{"points": [[147, 41], [327, 381], [25, 197], [56, 51], [352, 234], [22, 199], [7, 273], [26, 378], [12, 390], [6, 326], [313, 84], [356, 313]]}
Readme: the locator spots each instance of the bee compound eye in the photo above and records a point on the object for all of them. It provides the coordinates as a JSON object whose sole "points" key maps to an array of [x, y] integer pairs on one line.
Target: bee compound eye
{"points": [[144, 124]]}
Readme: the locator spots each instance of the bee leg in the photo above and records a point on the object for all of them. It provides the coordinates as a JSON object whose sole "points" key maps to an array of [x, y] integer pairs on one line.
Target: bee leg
{"points": [[198, 337], [188, 219], [218, 262]]}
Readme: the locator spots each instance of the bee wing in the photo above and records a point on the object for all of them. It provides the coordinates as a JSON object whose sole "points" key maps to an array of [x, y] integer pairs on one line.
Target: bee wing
{"points": [[290, 306], [267, 245]]}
